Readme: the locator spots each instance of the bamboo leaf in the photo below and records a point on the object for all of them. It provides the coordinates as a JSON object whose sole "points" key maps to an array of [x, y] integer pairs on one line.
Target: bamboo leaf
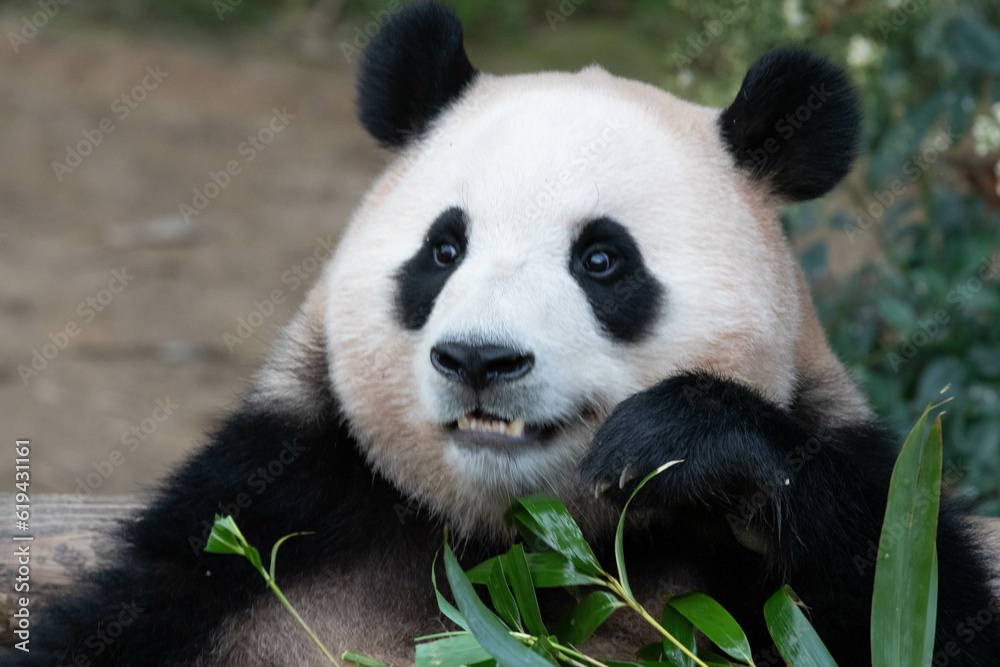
{"points": [[904, 605], [274, 549], [516, 569], [484, 625], [548, 570], [447, 608], [683, 631], [556, 527], [226, 538], [715, 622], [714, 660], [451, 652], [620, 533], [223, 538], [794, 636], [578, 626], [362, 660], [501, 596]]}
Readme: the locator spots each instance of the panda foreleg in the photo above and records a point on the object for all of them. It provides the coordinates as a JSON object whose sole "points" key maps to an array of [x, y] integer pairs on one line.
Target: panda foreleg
{"points": [[797, 504], [163, 597]]}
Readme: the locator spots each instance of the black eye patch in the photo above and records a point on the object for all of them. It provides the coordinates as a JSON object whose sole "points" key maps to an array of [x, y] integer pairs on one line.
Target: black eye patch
{"points": [[606, 262], [423, 276]]}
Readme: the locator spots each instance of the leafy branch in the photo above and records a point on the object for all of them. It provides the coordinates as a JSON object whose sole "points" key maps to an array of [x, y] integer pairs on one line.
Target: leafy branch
{"points": [[513, 633]]}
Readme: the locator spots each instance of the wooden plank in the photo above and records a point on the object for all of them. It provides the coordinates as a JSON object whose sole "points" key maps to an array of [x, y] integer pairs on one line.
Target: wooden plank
{"points": [[68, 532], [71, 538]]}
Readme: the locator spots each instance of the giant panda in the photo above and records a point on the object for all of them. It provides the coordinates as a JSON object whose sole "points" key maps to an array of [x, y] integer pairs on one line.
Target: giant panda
{"points": [[562, 281]]}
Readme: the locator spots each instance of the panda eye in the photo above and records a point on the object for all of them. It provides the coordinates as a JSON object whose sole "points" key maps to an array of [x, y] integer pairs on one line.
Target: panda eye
{"points": [[599, 262], [445, 254]]}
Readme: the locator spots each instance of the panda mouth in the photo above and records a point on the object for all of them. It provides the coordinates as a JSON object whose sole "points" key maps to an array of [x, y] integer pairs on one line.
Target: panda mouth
{"points": [[483, 422], [482, 427]]}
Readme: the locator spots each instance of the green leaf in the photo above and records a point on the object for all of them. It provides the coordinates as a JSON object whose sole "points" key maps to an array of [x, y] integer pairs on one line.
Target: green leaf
{"points": [[548, 570], [715, 622], [446, 607], [529, 530], [556, 527], [620, 533], [222, 543], [362, 660], [226, 538], [932, 605], [516, 569], [502, 599], [652, 651], [904, 605], [223, 538], [713, 660], [484, 625], [274, 549], [451, 652], [794, 636], [577, 626], [683, 631]]}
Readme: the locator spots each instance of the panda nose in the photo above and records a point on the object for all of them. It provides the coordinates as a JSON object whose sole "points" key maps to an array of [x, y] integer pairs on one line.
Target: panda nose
{"points": [[480, 366]]}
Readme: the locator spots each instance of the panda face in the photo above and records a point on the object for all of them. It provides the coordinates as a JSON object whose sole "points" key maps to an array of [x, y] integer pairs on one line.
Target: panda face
{"points": [[554, 244]]}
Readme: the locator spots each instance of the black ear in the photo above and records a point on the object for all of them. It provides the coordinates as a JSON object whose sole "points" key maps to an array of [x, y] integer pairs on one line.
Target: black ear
{"points": [[794, 124], [413, 68]]}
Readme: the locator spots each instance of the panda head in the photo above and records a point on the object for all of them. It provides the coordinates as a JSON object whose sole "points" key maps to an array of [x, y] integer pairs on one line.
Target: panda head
{"points": [[545, 245]]}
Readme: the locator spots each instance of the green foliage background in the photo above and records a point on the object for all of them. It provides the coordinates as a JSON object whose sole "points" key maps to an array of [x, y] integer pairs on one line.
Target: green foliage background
{"points": [[904, 257]]}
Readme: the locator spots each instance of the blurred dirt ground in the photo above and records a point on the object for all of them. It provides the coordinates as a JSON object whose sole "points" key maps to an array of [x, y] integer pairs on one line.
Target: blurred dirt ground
{"points": [[161, 337]]}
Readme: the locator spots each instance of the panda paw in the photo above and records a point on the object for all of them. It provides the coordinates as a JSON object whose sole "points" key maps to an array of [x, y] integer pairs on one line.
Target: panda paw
{"points": [[716, 427]]}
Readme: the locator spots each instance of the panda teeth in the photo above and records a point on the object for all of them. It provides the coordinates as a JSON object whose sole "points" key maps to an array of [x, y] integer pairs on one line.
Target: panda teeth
{"points": [[513, 429]]}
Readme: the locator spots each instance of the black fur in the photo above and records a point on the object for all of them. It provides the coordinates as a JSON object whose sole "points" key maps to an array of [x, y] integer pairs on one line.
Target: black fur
{"points": [[817, 497], [794, 124], [414, 68], [276, 475], [421, 279], [627, 300]]}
